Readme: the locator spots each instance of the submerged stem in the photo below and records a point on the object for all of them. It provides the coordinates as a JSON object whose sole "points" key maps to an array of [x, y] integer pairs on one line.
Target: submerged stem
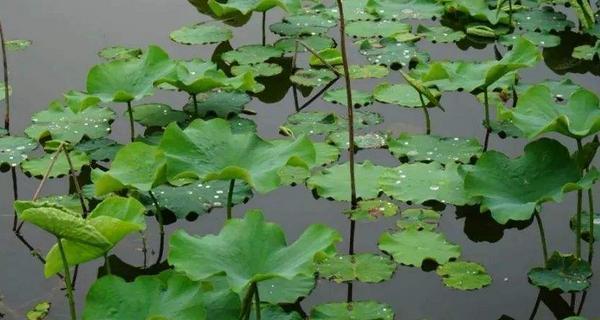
{"points": [[144, 249], [579, 210], [195, 101], [67, 280], [161, 226], [230, 198], [592, 237], [486, 122], [538, 219], [131, 123], [264, 28], [13, 174], [426, 112]]}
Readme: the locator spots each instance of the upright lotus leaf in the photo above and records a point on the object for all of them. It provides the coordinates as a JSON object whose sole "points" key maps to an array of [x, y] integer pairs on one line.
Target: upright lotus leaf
{"points": [[14, 150], [418, 219], [512, 189], [209, 150], [370, 210], [251, 54], [374, 29], [79, 100], [412, 247], [587, 52], [218, 103], [405, 9], [537, 113], [563, 272], [325, 153], [334, 182], [523, 54], [157, 115], [364, 267], [400, 94], [585, 226], [463, 275], [544, 19], [444, 150], [366, 71], [201, 34], [168, 295], [364, 310], [39, 166], [129, 170], [422, 182], [250, 250], [477, 9], [119, 53], [392, 53], [69, 201], [440, 34], [128, 80], [62, 123], [338, 96], [222, 8], [114, 218]]}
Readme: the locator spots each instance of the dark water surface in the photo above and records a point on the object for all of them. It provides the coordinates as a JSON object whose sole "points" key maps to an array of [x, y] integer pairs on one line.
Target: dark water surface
{"points": [[67, 34]]}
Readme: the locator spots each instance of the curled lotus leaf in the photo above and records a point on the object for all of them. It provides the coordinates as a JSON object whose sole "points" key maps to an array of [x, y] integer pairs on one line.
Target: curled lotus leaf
{"points": [[371, 210], [563, 272], [463, 275], [364, 267], [119, 53], [14, 150], [411, 147], [250, 250], [201, 34], [374, 29], [364, 310], [251, 54], [331, 56], [334, 182], [418, 219], [476, 9], [37, 167], [412, 247], [157, 115]]}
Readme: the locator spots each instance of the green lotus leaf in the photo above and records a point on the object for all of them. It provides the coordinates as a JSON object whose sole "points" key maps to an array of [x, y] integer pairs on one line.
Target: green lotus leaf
{"points": [[259, 69], [223, 8], [444, 150], [463, 275], [250, 250], [274, 312], [201, 34], [544, 40], [440, 34], [371, 210], [99, 149], [37, 167], [281, 290], [3, 91], [114, 218], [338, 96], [563, 272], [64, 224], [251, 54], [69, 201], [374, 29], [129, 170], [313, 77], [367, 71], [544, 19], [334, 182], [325, 153], [331, 55], [222, 104], [512, 189], [585, 226], [537, 113], [364, 310], [313, 123], [157, 115], [209, 150], [353, 11], [477, 9], [39, 312], [418, 219], [422, 182], [587, 52], [168, 295], [406, 9], [79, 101], [311, 18], [120, 53], [194, 199], [128, 80], [317, 43], [371, 140], [411, 247], [400, 94], [561, 90], [286, 29], [17, 45], [14, 150], [364, 267], [392, 53], [62, 123]]}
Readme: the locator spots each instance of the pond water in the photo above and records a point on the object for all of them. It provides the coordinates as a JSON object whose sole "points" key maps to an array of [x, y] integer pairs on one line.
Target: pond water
{"points": [[67, 35]]}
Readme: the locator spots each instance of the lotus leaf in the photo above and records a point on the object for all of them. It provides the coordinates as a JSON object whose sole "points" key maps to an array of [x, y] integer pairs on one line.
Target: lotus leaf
{"points": [[201, 34], [585, 226], [222, 104], [364, 310], [338, 96], [120, 53], [334, 182], [259, 69], [405, 9], [374, 29], [392, 53], [400, 94], [440, 34], [251, 54], [587, 52], [157, 115], [371, 210], [464, 275], [99, 149], [432, 148], [332, 56], [364, 267], [412, 247], [364, 71], [317, 43], [544, 19], [313, 77], [544, 40], [564, 272], [223, 8], [39, 166], [477, 9], [14, 150], [17, 45], [418, 219], [3, 91], [372, 140]]}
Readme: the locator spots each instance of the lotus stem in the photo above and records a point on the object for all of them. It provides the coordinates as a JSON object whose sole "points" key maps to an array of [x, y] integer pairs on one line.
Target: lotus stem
{"points": [[536, 305], [247, 302], [318, 94], [257, 301], [582, 302], [6, 91], [264, 28], [510, 8], [195, 101], [107, 265], [427, 118], [13, 174], [67, 280], [294, 89], [76, 183], [486, 122], [144, 249], [316, 54], [161, 227], [592, 237], [579, 209], [131, 123], [230, 199], [538, 219]]}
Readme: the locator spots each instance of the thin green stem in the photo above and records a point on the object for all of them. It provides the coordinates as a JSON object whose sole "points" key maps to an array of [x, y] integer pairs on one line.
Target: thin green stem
{"points": [[230, 199], [144, 248], [538, 219], [76, 183], [67, 274], [15, 187], [579, 210], [107, 264], [6, 90], [592, 236], [257, 301], [247, 303], [161, 227], [426, 112], [131, 122], [264, 28], [486, 122], [323, 61], [195, 101], [510, 8]]}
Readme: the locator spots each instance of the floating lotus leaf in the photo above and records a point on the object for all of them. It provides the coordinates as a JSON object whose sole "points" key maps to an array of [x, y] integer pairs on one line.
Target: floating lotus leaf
{"points": [[259, 69], [334, 182], [544, 19], [313, 77], [544, 40], [374, 29], [129, 170], [371, 210], [286, 29], [400, 94], [563, 272], [37, 167], [332, 56], [463, 275], [17, 45], [440, 34], [3, 91], [561, 90], [168, 295], [311, 19], [587, 52], [353, 11], [222, 8], [222, 104], [392, 53], [585, 226], [418, 219], [325, 153], [364, 310], [209, 150], [537, 113], [251, 54], [422, 182], [114, 218], [477, 9], [313, 123], [250, 250], [338, 96], [364, 267], [128, 80], [62, 123], [14, 150], [365, 71], [317, 43], [99, 149], [201, 34], [120, 53], [444, 150], [512, 189], [195, 199], [406, 9], [372, 140], [412, 247], [157, 115]]}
